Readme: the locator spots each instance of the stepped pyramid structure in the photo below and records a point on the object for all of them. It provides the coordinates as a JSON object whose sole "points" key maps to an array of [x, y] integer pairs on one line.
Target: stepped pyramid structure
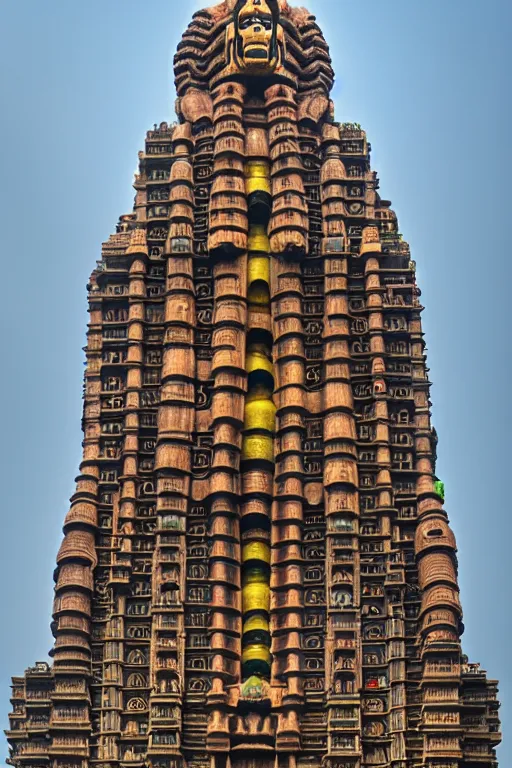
{"points": [[257, 570]]}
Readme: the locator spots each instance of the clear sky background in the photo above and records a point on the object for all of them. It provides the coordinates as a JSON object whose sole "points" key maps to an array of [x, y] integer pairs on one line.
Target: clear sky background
{"points": [[81, 82]]}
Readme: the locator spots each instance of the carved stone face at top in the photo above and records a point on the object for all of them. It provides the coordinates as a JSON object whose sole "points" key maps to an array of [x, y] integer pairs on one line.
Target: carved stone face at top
{"points": [[255, 37], [255, 32]]}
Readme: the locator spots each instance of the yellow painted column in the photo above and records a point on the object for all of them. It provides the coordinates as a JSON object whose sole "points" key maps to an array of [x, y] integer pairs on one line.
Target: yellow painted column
{"points": [[258, 438]]}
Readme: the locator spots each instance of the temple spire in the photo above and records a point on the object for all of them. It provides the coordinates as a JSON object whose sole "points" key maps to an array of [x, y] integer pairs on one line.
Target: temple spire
{"points": [[257, 566]]}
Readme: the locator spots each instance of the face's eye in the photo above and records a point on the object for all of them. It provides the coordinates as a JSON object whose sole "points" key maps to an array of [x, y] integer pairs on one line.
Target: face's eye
{"points": [[252, 21]]}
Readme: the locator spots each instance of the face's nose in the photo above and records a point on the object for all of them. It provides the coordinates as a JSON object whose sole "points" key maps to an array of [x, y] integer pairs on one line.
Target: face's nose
{"points": [[257, 29]]}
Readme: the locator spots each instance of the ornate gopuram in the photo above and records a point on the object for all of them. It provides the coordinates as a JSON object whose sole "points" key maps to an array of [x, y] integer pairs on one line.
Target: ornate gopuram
{"points": [[257, 569]]}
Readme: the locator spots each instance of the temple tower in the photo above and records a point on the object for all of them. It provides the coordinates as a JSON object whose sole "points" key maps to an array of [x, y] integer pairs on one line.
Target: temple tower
{"points": [[257, 567]]}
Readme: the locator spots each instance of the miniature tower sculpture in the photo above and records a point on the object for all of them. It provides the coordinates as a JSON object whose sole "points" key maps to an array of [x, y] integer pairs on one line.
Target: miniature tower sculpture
{"points": [[257, 568]]}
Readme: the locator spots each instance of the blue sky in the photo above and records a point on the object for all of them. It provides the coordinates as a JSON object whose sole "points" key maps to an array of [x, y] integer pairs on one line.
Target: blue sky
{"points": [[79, 85]]}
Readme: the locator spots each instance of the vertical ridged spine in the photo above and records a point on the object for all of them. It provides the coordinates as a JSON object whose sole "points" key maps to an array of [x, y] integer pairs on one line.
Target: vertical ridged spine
{"points": [[259, 427], [76, 560]]}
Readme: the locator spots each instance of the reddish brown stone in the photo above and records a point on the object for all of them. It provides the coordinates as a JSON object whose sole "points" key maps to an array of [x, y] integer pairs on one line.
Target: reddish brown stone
{"points": [[364, 614]]}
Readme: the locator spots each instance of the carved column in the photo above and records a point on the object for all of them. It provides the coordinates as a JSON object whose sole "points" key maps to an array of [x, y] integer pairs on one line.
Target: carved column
{"points": [[76, 561], [124, 510], [228, 204], [343, 657], [287, 513], [288, 228], [173, 458], [229, 377], [440, 613], [382, 595]]}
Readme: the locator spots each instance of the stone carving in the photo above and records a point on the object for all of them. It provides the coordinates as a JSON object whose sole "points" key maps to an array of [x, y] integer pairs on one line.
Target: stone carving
{"points": [[257, 545]]}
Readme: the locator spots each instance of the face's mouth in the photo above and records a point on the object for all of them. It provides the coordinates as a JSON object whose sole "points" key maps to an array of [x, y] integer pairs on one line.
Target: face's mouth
{"points": [[256, 52]]}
